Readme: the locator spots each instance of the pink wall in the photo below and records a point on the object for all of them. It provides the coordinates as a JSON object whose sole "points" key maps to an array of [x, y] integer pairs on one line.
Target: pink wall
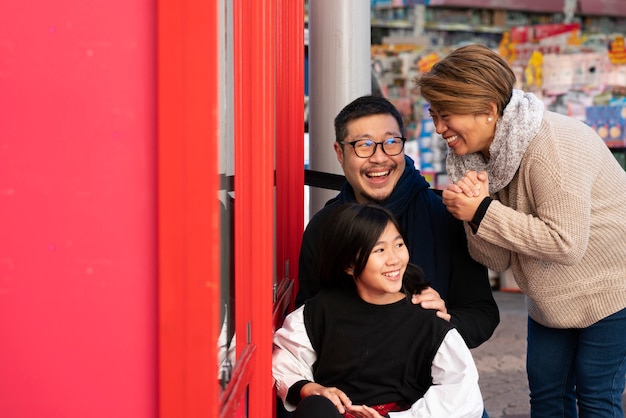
{"points": [[78, 273]]}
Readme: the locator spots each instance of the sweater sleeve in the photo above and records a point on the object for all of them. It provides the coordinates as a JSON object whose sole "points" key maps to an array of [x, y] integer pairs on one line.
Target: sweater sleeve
{"points": [[491, 255], [548, 210], [455, 392], [293, 355]]}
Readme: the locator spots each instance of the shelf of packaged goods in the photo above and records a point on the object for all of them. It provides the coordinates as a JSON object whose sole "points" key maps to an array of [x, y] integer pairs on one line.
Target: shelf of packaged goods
{"points": [[530, 6], [391, 24], [460, 27], [612, 8]]}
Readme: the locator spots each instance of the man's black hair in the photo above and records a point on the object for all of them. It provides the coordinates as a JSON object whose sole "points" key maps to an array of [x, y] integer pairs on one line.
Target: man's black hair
{"points": [[365, 106]]}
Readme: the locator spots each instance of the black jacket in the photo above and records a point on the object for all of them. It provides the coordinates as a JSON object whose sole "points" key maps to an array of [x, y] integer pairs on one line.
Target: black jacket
{"points": [[436, 242]]}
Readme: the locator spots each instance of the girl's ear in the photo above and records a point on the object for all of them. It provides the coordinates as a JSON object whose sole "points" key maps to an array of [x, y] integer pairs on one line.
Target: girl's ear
{"points": [[350, 270]]}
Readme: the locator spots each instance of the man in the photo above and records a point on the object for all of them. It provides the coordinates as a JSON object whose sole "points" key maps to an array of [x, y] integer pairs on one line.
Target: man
{"points": [[369, 144]]}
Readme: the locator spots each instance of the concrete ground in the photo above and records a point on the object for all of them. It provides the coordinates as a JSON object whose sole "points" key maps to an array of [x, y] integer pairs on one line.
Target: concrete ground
{"points": [[501, 361]]}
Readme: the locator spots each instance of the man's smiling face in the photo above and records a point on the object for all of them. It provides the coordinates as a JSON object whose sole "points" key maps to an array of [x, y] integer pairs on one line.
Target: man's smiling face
{"points": [[375, 177]]}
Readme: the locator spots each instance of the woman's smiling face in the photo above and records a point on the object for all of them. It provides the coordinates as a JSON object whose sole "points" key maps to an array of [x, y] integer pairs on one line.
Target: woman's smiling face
{"points": [[465, 133]]}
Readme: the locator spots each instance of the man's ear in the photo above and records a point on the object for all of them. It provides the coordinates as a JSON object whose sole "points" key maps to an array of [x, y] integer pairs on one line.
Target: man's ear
{"points": [[339, 152]]}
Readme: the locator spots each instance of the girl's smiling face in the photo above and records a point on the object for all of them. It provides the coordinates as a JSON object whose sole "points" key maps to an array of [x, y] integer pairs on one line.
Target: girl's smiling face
{"points": [[465, 133], [381, 280]]}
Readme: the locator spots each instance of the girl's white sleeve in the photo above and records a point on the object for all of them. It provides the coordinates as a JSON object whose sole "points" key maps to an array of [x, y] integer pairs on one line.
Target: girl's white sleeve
{"points": [[455, 392], [293, 356]]}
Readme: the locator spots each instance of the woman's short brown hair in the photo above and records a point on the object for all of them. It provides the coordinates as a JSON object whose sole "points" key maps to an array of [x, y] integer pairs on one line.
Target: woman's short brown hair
{"points": [[467, 80]]}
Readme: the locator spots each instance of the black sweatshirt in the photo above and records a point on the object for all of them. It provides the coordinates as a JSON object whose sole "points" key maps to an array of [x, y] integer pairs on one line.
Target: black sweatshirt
{"points": [[371, 351]]}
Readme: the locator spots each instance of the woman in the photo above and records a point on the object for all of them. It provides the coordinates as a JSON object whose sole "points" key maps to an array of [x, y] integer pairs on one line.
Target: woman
{"points": [[360, 347], [543, 195]]}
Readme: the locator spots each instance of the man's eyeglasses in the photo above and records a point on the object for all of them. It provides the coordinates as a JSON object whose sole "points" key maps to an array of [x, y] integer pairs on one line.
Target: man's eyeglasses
{"points": [[365, 148]]}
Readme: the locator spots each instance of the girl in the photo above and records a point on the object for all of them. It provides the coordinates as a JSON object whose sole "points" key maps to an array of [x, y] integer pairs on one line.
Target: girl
{"points": [[360, 348]]}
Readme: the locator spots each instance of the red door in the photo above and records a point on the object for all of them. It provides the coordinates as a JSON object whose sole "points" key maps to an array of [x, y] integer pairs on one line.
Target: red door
{"points": [[231, 92]]}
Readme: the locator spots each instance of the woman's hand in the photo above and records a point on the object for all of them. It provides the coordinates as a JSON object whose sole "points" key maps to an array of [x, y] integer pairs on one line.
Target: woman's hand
{"points": [[336, 396], [473, 184], [463, 197], [429, 298]]}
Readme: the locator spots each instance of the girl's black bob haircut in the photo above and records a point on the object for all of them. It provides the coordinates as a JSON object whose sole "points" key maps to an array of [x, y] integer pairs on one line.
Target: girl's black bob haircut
{"points": [[349, 236]]}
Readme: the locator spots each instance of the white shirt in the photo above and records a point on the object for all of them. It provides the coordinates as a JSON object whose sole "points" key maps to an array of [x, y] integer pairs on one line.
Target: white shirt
{"points": [[454, 394]]}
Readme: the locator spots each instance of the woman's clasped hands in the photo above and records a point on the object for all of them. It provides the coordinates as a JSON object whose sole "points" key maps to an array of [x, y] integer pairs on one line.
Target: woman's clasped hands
{"points": [[463, 197]]}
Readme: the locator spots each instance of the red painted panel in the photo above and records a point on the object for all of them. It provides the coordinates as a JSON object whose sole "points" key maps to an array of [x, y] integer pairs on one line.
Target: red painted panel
{"points": [[289, 137], [77, 209], [254, 123], [188, 208]]}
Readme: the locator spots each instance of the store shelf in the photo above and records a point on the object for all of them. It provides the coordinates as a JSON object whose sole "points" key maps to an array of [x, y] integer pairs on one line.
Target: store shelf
{"points": [[613, 8], [391, 6], [538, 6], [443, 23], [392, 24], [459, 27]]}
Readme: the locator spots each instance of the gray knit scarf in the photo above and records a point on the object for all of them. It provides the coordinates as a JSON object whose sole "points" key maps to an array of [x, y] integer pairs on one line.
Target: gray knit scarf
{"points": [[514, 131]]}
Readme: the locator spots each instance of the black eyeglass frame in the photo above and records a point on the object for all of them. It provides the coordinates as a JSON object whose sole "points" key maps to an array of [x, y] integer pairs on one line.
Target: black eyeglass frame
{"points": [[376, 144]]}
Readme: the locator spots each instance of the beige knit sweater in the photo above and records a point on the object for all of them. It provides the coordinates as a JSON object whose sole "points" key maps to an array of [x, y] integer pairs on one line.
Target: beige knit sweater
{"points": [[560, 225]]}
